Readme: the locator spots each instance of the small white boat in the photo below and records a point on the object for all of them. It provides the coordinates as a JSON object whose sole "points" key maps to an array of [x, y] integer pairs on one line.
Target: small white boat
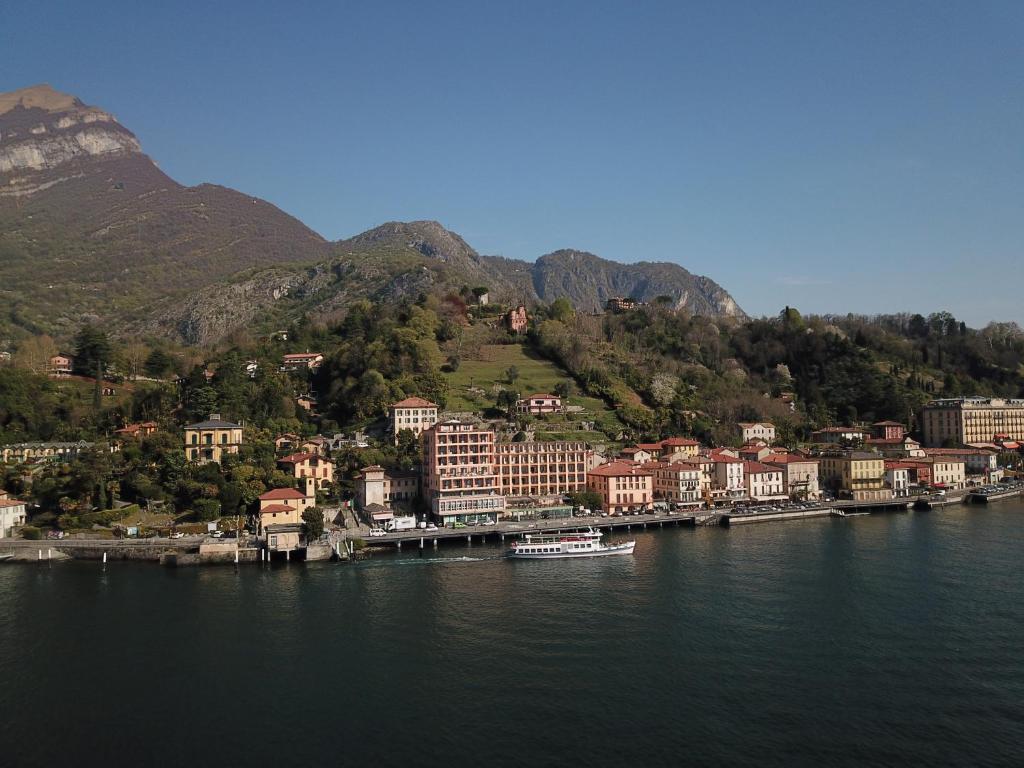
{"points": [[586, 544]]}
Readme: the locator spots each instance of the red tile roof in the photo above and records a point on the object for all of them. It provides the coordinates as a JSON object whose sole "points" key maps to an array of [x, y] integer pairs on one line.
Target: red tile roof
{"points": [[757, 468], [619, 469], [298, 458], [282, 494], [414, 402], [276, 508]]}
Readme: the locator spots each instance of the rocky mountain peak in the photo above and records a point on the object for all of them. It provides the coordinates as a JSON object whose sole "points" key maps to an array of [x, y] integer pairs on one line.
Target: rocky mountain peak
{"points": [[43, 130], [42, 96]]}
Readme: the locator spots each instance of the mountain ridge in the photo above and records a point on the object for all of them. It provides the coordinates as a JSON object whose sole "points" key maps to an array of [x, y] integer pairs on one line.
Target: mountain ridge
{"points": [[90, 227]]}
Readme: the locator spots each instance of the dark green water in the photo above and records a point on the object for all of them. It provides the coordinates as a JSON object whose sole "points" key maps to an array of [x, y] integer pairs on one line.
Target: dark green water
{"points": [[884, 640]]}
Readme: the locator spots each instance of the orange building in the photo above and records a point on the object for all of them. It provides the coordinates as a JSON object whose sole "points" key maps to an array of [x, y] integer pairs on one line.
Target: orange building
{"points": [[623, 487]]}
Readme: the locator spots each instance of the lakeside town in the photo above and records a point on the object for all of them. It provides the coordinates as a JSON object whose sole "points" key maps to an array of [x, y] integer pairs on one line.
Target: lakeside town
{"points": [[466, 469]]}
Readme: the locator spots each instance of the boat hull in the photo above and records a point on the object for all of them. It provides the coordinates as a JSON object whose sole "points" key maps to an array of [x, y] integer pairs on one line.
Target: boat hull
{"points": [[612, 549]]}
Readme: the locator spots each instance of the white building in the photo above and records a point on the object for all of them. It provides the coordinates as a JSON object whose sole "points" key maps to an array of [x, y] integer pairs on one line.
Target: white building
{"points": [[414, 413], [897, 477], [757, 430], [12, 515], [730, 476], [764, 483]]}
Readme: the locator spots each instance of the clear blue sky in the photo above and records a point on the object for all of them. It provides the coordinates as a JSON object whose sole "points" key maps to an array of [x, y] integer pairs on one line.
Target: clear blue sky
{"points": [[860, 156]]}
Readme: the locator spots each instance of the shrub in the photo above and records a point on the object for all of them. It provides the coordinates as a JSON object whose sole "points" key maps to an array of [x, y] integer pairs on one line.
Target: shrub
{"points": [[31, 532]]}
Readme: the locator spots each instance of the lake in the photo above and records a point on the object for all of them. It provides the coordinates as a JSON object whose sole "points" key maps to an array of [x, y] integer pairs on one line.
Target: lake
{"points": [[880, 640]]}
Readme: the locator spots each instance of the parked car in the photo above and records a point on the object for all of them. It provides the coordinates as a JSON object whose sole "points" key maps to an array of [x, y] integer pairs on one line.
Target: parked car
{"points": [[458, 525], [431, 527], [377, 532]]}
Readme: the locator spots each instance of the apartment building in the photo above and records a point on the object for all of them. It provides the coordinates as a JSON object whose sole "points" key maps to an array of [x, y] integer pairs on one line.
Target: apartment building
{"points": [[623, 487], [963, 420], [212, 439], [414, 414], [541, 468], [857, 475], [898, 478], [461, 478], [763, 482], [977, 461], [730, 477], [676, 481], [948, 472], [799, 475]]}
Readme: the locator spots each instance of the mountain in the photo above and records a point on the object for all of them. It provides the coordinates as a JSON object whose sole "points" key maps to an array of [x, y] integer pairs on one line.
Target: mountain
{"points": [[589, 281], [89, 225]]}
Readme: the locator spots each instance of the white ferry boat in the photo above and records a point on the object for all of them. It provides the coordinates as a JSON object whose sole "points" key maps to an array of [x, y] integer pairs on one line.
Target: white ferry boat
{"points": [[586, 544]]}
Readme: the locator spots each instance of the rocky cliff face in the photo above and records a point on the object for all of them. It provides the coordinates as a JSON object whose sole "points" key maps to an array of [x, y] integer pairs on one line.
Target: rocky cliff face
{"points": [[589, 281], [43, 131]]}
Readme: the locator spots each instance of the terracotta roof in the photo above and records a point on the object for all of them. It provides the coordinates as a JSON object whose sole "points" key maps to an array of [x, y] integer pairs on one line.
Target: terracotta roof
{"points": [[298, 458], [281, 494], [4, 503], [414, 402], [302, 355], [757, 468], [619, 469], [542, 394], [679, 441], [886, 424], [276, 508], [788, 458], [757, 424]]}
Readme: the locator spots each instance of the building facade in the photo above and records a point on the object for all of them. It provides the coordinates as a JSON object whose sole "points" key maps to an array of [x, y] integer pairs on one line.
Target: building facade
{"points": [[858, 475], [283, 506], [965, 420], [375, 485], [310, 465], [461, 480], [12, 515], [414, 413], [541, 468], [764, 482], [623, 486], [756, 430], [539, 404], [677, 481], [799, 475], [212, 439]]}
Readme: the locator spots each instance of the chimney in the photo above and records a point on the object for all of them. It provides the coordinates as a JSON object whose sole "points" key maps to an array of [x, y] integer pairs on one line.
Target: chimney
{"points": [[214, 417]]}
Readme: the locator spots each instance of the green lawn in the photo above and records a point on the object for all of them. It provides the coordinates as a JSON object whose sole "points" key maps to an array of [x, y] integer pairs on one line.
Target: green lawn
{"points": [[535, 375]]}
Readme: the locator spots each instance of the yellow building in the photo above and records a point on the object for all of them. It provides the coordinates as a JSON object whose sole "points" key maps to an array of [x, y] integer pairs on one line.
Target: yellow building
{"points": [[210, 440], [964, 420], [283, 506], [858, 475]]}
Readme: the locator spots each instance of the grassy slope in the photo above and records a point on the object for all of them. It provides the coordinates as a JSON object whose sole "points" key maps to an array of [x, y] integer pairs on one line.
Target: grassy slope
{"points": [[535, 375]]}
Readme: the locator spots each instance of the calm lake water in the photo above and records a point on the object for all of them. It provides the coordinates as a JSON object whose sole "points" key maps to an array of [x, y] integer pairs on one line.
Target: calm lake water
{"points": [[882, 640]]}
